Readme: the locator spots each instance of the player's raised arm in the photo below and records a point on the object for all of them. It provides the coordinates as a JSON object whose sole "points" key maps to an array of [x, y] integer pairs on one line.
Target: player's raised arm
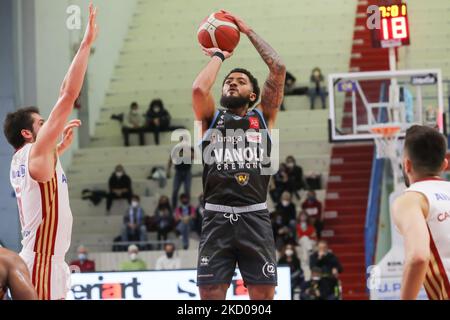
{"points": [[273, 90], [202, 99], [409, 214], [42, 153]]}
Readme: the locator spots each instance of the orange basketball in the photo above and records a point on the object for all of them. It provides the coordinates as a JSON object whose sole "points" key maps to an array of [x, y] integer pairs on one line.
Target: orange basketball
{"points": [[218, 31]]}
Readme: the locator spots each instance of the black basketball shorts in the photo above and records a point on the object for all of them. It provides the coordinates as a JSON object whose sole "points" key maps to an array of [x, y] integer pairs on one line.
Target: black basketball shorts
{"points": [[230, 239]]}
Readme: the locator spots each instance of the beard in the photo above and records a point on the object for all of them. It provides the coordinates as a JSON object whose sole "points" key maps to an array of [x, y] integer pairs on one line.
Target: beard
{"points": [[405, 177], [231, 102]]}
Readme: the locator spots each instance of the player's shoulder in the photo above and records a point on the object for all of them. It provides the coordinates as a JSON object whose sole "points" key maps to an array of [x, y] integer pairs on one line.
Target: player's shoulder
{"points": [[9, 258], [410, 199]]}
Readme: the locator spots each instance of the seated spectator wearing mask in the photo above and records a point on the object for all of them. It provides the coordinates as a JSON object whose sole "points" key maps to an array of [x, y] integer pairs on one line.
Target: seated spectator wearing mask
{"points": [[287, 210], [134, 123], [119, 187], [313, 208], [326, 261], [158, 118], [134, 227], [306, 235], [134, 263], [168, 261], [83, 264], [296, 181], [289, 258]]}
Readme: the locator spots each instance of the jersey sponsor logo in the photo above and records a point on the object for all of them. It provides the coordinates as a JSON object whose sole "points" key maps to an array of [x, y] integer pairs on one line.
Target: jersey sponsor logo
{"points": [[242, 178], [254, 123], [442, 197], [254, 137], [268, 270], [19, 173], [443, 216]]}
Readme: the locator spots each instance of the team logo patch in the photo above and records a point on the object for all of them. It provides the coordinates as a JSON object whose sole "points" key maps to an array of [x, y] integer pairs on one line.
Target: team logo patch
{"points": [[242, 178], [254, 123], [204, 261], [268, 270], [254, 137]]}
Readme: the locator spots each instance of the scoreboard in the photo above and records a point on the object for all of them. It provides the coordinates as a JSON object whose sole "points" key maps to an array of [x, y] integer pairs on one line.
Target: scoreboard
{"points": [[394, 28]]}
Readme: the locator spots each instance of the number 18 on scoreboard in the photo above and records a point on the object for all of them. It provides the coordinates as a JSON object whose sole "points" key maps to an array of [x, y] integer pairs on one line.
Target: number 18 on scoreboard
{"points": [[394, 28]]}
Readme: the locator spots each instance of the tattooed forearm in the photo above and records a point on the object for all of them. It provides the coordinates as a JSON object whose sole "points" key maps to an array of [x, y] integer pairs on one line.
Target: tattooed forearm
{"points": [[273, 91], [269, 55]]}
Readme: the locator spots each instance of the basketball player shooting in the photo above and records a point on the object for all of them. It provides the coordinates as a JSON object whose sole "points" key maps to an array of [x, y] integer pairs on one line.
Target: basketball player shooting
{"points": [[236, 225], [14, 276], [422, 215], [39, 181]]}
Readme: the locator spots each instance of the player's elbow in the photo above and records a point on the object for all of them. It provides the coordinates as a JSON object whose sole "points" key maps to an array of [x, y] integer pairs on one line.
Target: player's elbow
{"points": [[419, 258], [68, 97], [199, 91], [279, 67]]}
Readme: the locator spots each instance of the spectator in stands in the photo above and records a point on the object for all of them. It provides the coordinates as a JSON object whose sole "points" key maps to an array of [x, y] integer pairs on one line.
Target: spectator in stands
{"points": [[163, 217], [158, 118], [120, 187], [290, 89], [134, 263], [184, 217], [313, 208], [306, 235], [289, 258], [134, 227], [199, 215], [317, 88], [282, 234], [82, 264], [279, 183], [325, 260], [168, 261], [296, 180], [183, 167], [287, 210], [318, 288], [134, 123]]}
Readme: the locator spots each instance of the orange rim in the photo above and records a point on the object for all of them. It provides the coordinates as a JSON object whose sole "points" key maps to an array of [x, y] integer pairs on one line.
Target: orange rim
{"points": [[386, 131]]}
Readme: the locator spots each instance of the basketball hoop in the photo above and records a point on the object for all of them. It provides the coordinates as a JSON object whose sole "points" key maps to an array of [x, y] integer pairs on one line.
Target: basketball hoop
{"points": [[386, 140]]}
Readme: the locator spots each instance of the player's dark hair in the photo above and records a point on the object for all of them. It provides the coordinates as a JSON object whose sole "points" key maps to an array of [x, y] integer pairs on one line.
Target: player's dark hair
{"points": [[252, 79], [426, 148], [15, 122]]}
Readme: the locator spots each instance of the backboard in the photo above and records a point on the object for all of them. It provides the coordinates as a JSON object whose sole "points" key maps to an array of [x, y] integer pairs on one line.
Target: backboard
{"points": [[361, 101]]}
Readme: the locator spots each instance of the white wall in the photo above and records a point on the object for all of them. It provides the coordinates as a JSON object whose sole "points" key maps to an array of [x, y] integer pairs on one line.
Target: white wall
{"points": [[54, 43]]}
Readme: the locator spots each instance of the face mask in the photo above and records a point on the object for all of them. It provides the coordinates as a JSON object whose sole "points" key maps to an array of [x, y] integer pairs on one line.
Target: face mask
{"points": [[315, 278], [133, 256], [119, 174], [156, 110], [134, 111], [169, 254], [303, 225], [285, 203], [289, 252], [290, 165], [82, 257], [134, 204]]}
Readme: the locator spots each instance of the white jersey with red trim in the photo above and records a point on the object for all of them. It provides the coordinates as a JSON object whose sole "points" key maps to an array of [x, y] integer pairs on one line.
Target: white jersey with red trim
{"points": [[437, 192]]}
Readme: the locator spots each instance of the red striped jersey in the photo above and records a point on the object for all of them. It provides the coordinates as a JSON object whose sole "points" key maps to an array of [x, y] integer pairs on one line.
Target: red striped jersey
{"points": [[44, 210], [437, 192]]}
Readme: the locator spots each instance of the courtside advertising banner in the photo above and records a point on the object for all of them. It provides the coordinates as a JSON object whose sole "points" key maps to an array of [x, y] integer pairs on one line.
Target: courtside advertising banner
{"points": [[160, 285]]}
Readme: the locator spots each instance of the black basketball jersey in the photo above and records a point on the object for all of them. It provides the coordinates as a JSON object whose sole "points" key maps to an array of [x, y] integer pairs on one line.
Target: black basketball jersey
{"points": [[236, 157]]}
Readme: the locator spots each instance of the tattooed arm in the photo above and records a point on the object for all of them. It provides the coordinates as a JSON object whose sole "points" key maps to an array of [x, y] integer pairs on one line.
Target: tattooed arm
{"points": [[273, 90]]}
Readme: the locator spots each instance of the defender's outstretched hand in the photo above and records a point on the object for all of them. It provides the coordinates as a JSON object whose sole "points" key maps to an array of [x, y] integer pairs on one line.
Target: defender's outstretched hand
{"points": [[92, 28], [68, 135]]}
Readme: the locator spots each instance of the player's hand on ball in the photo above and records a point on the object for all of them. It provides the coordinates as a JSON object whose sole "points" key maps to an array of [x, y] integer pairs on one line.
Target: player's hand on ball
{"points": [[92, 29], [210, 51], [243, 27]]}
